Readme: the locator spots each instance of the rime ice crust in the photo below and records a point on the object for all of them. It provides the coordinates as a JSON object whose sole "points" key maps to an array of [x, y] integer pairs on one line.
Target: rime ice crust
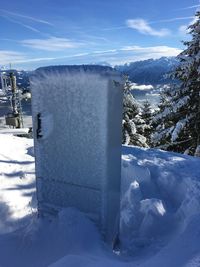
{"points": [[78, 149]]}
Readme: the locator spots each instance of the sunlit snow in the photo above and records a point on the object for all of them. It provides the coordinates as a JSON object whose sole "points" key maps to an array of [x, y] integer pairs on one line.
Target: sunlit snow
{"points": [[160, 213]]}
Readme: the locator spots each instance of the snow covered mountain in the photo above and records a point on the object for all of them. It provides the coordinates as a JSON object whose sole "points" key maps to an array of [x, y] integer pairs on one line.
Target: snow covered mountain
{"points": [[150, 71], [145, 72]]}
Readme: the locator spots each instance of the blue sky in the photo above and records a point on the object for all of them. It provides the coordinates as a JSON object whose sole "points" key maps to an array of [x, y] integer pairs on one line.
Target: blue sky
{"points": [[51, 32]]}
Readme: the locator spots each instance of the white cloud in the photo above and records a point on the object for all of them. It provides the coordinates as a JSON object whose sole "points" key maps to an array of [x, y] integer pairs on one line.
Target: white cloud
{"points": [[121, 55], [20, 23], [127, 54], [102, 52], [172, 19], [7, 56], [143, 27], [135, 53], [169, 51], [13, 14], [190, 7], [22, 20], [50, 44], [141, 87], [183, 29]]}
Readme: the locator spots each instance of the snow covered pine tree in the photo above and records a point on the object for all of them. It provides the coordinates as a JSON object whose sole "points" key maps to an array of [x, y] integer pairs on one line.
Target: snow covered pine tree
{"points": [[132, 124], [178, 122], [147, 118]]}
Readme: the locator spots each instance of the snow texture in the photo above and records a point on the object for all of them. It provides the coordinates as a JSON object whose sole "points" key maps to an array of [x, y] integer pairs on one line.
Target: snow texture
{"points": [[77, 127], [159, 219], [163, 197], [177, 129], [17, 182]]}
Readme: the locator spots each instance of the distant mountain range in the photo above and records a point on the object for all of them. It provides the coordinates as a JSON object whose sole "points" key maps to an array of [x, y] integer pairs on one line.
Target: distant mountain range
{"points": [[150, 71]]}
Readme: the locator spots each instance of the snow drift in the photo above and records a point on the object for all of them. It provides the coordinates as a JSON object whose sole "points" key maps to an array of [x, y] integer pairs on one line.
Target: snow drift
{"points": [[160, 214], [161, 194]]}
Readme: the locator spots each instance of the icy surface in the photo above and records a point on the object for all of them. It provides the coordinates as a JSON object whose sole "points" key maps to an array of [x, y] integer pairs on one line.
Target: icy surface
{"points": [[77, 114], [159, 220]]}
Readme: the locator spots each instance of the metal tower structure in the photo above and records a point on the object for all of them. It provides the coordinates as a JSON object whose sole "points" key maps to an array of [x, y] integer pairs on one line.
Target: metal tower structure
{"points": [[9, 86]]}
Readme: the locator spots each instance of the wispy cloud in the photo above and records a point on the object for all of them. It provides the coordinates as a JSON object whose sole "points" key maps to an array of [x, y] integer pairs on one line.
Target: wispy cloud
{"points": [[172, 19], [20, 23], [94, 37], [24, 20], [165, 50], [147, 24], [121, 55], [133, 53], [10, 56], [114, 28], [190, 7], [143, 27], [14, 14], [102, 52], [50, 44]]}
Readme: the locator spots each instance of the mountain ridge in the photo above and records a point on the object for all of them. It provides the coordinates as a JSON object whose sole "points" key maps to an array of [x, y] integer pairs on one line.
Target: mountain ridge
{"points": [[143, 72], [150, 71]]}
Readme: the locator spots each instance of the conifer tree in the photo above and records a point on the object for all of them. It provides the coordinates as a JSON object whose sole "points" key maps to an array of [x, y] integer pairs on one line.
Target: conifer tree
{"points": [[146, 111], [178, 122], [146, 115], [132, 122]]}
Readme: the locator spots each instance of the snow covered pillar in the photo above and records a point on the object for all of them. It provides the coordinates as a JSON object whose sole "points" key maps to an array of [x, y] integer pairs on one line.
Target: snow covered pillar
{"points": [[77, 113]]}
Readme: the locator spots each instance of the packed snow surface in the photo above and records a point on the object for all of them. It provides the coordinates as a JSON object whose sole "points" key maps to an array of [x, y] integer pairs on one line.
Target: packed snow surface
{"points": [[160, 214]]}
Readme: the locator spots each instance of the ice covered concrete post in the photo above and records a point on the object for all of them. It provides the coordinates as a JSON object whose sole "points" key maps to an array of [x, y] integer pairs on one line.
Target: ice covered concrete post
{"points": [[77, 113]]}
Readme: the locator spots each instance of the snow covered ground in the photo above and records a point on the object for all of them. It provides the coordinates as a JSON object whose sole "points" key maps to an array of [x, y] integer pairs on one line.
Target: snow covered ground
{"points": [[17, 180], [160, 214]]}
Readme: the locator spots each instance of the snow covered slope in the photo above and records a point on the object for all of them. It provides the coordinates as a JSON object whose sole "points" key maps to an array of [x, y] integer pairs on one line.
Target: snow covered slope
{"points": [[159, 219]]}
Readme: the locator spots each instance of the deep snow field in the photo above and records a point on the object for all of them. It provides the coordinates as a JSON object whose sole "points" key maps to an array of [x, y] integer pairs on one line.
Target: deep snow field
{"points": [[160, 214]]}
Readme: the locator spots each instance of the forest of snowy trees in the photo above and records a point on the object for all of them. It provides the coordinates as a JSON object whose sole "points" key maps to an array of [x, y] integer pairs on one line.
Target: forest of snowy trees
{"points": [[175, 126], [135, 122]]}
